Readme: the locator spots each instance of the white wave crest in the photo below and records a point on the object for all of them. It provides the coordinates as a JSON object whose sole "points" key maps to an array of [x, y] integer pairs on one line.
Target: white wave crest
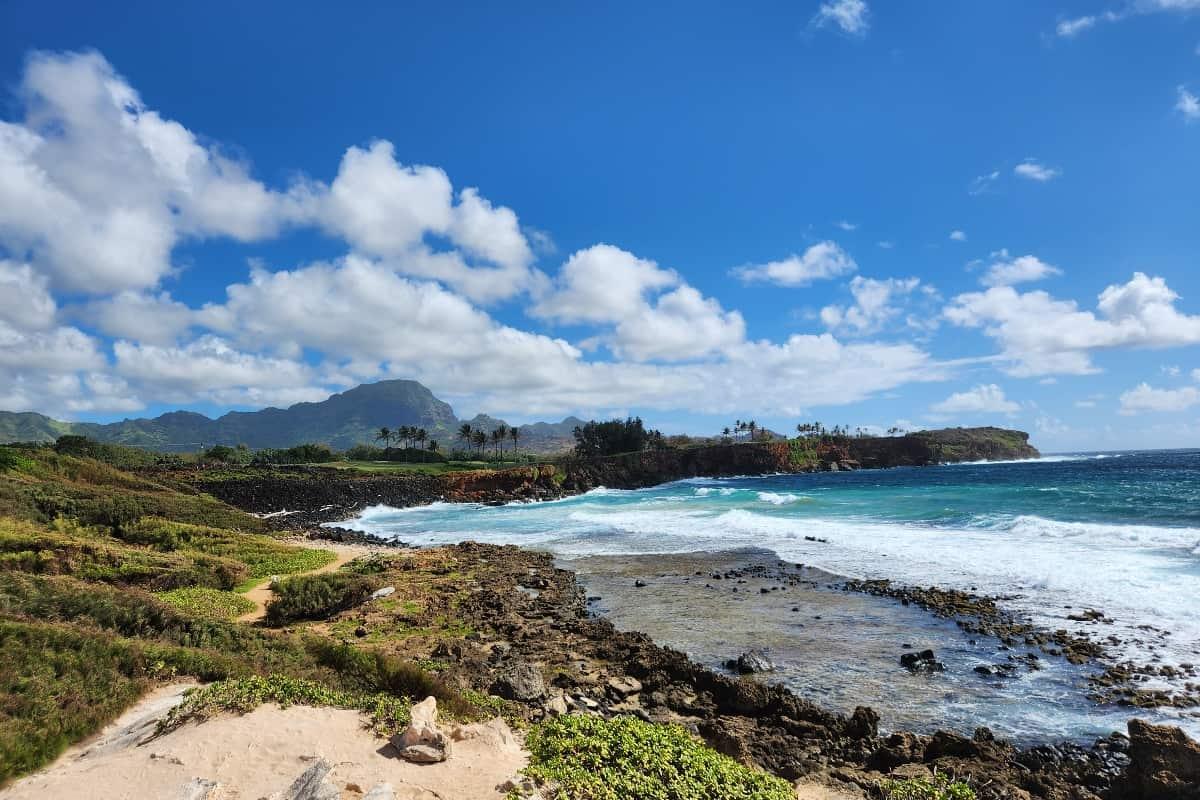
{"points": [[781, 498]]}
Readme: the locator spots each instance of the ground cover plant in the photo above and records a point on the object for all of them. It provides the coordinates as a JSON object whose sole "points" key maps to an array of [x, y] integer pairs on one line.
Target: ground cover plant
{"points": [[939, 787], [207, 603], [584, 757]]}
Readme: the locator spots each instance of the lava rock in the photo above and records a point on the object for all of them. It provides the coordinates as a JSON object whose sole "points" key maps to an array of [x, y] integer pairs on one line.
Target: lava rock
{"points": [[924, 661], [520, 681], [751, 662]]}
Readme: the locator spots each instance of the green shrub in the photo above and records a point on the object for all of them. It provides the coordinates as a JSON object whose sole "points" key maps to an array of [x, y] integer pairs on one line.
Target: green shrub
{"points": [[68, 548], [374, 670], [300, 454], [58, 685], [11, 458], [116, 455], [588, 758], [200, 601], [939, 787], [317, 596]]}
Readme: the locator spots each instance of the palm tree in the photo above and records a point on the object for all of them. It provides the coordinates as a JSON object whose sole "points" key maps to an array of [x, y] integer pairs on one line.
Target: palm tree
{"points": [[753, 426], [514, 434], [433, 445], [420, 434], [480, 440], [738, 427], [499, 434], [466, 434], [386, 435]]}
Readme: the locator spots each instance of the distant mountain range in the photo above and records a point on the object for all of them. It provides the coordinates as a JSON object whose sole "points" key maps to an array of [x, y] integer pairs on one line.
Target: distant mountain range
{"points": [[342, 421]]}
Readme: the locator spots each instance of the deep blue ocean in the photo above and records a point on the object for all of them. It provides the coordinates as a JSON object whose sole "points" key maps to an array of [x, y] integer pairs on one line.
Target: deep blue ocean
{"points": [[1117, 532]]}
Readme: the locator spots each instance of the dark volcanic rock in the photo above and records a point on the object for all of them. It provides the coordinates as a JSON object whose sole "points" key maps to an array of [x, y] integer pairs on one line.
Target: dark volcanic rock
{"points": [[1164, 764], [924, 661], [520, 681], [751, 662]]}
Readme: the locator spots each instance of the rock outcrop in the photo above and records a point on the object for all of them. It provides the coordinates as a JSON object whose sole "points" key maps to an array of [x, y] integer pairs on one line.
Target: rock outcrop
{"points": [[1164, 764], [422, 742]]}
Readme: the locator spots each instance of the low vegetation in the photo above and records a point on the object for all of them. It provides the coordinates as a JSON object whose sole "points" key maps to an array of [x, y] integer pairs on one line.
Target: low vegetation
{"points": [[388, 713], [200, 601], [317, 596], [582, 757], [939, 787]]}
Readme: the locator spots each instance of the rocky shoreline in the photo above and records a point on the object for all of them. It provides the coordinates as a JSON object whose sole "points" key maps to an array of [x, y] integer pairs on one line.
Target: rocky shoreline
{"points": [[530, 618], [533, 641]]}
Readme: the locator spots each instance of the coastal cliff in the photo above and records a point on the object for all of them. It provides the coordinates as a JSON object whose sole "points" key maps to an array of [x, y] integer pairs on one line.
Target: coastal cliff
{"points": [[945, 446], [327, 495]]}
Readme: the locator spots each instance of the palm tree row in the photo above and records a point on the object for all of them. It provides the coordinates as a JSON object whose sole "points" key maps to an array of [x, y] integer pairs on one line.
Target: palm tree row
{"points": [[740, 427], [479, 438], [408, 434]]}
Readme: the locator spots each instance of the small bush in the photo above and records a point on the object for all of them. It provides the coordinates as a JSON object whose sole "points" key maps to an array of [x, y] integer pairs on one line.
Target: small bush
{"points": [[582, 757], [317, 596], [199, 601], [374, 670], [939, 787]]}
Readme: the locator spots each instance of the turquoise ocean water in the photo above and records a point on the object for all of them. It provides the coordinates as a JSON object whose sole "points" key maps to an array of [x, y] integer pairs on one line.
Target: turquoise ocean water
{"points": [[1117, 532]]}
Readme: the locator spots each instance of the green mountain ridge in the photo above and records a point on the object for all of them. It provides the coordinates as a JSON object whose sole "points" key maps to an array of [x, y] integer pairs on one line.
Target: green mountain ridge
{"points": [[341, 421]]}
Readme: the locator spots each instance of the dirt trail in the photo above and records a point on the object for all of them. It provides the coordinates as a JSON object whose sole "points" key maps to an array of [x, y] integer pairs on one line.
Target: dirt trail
{"points": [[261, 593]]}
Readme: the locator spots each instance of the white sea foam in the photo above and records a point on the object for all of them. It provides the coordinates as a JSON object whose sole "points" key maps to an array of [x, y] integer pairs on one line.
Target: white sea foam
{"points": [[722, 491], [781, 498], [1057, 458]]}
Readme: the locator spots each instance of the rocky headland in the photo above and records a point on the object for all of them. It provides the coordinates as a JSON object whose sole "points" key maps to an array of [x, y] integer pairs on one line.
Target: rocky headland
{"points": [[314, 495]]}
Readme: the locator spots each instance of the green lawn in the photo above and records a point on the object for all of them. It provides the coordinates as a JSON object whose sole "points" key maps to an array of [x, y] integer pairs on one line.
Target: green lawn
{"points": [[439, 468]]}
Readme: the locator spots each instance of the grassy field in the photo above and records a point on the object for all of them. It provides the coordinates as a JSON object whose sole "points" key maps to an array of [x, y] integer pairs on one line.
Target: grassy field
{"points": [[440, 468]]}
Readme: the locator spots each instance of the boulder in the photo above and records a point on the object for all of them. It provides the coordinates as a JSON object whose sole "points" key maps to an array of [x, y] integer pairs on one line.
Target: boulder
{"points": [[924, 661], [384, 592], [863, 723], [624, 685], [422, 742], [520, 681], [313, 784], [1164, 763], [751, 662]]}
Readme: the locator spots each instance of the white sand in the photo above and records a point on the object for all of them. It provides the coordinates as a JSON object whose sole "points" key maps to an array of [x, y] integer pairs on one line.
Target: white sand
{"points": [[261, 753]]}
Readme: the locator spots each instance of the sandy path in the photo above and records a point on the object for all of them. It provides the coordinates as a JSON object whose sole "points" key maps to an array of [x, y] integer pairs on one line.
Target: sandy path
{"points": [[260, 753], [261, 593]]}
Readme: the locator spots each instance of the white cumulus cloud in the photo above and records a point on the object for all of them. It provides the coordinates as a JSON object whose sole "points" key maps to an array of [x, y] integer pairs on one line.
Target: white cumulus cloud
{"points": [[1006, 271], [1042, 335], [982, 399], [851, 16], [821, 261], [1034, 170], [1145, 398]]}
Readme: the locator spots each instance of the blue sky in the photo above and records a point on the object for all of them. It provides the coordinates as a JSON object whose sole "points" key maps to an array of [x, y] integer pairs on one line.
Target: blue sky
{"points": [[873, 214]]}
